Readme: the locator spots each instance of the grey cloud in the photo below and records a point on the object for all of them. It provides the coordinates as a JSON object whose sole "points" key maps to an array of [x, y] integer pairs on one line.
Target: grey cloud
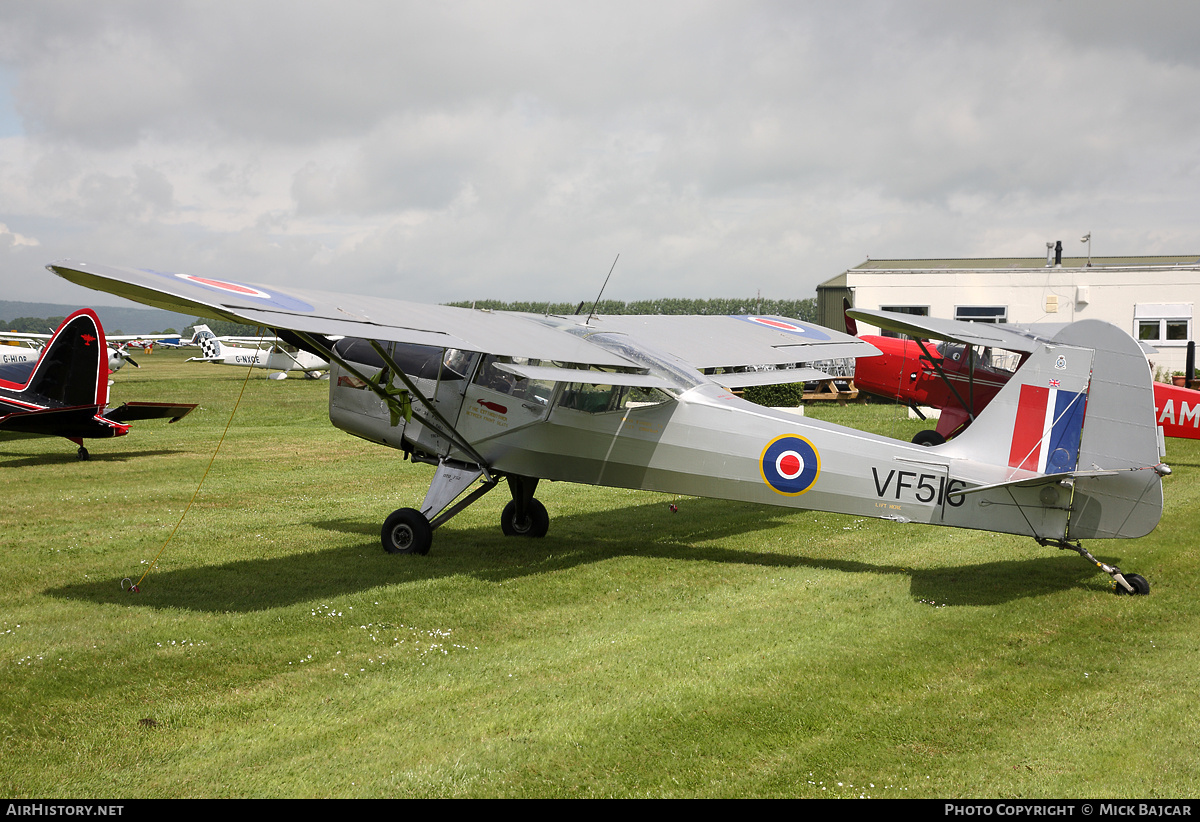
{"points": [[448, 148]]}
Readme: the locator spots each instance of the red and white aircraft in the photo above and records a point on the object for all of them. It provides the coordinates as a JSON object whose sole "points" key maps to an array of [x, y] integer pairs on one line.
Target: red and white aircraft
{"points": [[958, 377], [64, 393]]}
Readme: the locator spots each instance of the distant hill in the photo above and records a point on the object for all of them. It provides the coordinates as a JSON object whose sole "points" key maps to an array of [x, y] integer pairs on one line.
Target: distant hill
{"points": [[115, 320]]}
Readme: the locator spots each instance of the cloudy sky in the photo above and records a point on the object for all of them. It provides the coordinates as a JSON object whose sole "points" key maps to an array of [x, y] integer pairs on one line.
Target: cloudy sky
{"points": [[511, 150]]}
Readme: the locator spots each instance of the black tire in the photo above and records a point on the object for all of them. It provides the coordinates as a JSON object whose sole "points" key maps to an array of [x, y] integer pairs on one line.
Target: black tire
{"points": [[406, 531], [928, 437], [535, 524], [1140, 587], [82, 453]]}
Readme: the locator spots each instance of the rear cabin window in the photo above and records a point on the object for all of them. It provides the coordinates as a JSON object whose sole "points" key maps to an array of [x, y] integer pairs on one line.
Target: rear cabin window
{"points": [[596, 399]]}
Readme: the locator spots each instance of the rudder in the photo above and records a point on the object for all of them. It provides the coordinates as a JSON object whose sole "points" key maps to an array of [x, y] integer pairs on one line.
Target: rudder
{"points": [[73, 367], [1120, 434]]}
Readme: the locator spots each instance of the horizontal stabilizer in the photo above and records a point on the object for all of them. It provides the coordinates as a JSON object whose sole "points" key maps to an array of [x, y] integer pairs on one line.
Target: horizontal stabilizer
{"points": [[75, 422], [131, 411]]}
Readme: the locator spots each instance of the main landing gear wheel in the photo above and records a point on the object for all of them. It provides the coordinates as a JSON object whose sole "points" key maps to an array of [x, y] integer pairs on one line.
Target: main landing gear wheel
{"points": [[928, 437], [82, 453], [1140, 586], [535, 523], [406, 531]]}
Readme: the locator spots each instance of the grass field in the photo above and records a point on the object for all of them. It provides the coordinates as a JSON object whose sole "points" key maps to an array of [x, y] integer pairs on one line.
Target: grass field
{"points": [[723, 650]]}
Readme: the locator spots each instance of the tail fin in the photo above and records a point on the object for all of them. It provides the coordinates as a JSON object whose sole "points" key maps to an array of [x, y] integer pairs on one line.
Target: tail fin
{"points": [[851, 325], [1080, 411], [73, 367], [210, 346], [199, 332]]}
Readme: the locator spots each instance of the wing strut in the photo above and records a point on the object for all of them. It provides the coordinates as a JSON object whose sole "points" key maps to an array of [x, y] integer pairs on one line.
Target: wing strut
{"points": [[443, 425], [937, 366]]}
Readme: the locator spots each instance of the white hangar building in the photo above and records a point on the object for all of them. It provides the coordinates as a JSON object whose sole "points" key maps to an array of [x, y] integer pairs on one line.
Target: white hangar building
{"points": [[1153, 298]]}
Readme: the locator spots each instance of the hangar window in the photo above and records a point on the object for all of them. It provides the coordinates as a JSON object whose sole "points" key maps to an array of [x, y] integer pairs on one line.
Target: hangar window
{"points": [[915, 310], [1163, 323], [981, 313]]}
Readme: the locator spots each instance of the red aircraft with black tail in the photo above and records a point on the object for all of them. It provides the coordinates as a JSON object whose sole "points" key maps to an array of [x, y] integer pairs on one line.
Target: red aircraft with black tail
{"points": [[65, 393]]}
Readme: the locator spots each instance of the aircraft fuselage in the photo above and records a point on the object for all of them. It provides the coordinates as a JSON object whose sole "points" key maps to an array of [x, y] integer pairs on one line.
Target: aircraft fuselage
{"points": [[698, 439]]}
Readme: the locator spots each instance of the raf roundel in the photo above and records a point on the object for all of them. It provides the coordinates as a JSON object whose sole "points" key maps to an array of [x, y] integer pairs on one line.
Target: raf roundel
{"points": [[254, 296], [783, 325], [221, 285], [790, 464]]}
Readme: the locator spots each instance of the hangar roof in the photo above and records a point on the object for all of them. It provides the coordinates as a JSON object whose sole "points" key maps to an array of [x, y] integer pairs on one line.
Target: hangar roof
{"points": [[972, 263]]}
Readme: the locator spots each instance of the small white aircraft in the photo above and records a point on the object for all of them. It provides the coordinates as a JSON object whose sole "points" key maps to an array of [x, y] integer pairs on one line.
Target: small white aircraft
{"points": [[1068, 449], [256, 352], [18, 348], [27, 347]]}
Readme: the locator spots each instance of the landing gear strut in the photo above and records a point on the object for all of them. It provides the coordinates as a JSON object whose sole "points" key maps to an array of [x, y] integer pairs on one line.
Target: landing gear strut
{"points": [[1134, 584], [409, 531]]}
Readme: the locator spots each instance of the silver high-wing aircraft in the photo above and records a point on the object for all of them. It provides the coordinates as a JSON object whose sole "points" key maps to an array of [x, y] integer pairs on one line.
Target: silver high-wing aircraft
{"points": [[1067, 451]]}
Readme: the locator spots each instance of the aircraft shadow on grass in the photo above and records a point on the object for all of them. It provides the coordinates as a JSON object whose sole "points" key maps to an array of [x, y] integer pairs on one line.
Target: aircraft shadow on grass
{"points": [[647, 530], [14, 459]]}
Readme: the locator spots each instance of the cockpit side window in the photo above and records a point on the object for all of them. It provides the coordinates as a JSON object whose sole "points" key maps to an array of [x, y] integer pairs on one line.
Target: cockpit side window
{"points": [[489, 376], [497, 379]]}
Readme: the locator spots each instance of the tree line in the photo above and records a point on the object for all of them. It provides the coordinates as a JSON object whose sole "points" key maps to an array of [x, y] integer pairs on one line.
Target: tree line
{"points": [[32, 325]]}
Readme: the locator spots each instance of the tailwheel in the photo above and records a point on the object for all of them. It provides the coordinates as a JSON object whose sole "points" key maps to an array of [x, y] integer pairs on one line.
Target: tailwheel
{"points": [[1136, 582], [1140, 586], [535, 522], [82, 453], [407, 531]]}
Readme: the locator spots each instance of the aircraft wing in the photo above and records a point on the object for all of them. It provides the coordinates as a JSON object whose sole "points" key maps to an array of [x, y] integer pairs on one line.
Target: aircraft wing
{"points": [[173, 411], [719, 341], [131, 337], [589, 377], [341, 315], [1008, 337], [266, 341], [19, 336], [705, 342], [22, 337]]}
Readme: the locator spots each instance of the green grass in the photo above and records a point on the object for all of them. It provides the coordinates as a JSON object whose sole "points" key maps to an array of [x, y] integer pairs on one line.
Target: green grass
{"points": [[724, 650]]}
